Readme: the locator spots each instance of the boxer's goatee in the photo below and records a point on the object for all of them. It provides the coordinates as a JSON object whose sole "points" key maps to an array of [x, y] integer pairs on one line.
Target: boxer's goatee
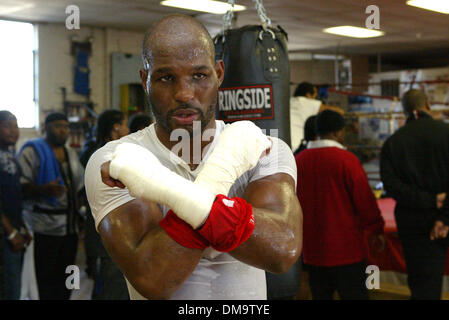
{"points": [[164, 120]]}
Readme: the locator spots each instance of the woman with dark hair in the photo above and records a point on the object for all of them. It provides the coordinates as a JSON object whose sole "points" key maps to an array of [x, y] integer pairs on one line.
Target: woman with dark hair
{"points": [[109, 281], [111, 125], [139, 121], [309, 134]]}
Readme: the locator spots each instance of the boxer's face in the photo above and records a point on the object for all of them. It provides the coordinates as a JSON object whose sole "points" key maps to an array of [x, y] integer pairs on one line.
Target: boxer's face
{"points": [[182, 83]]}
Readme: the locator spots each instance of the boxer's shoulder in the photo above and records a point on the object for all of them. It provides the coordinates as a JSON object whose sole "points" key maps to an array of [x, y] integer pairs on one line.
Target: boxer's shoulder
{"points": [[280, 151], [279, 160]]}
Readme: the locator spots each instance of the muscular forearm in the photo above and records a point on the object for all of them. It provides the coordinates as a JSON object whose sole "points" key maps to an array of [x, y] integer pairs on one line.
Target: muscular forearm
{"points": [[162, 264], [154, 263], [276, 242]]}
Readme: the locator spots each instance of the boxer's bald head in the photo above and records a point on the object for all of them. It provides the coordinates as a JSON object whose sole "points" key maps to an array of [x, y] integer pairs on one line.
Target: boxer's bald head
{"points": [[180, 75], [172, 33]]}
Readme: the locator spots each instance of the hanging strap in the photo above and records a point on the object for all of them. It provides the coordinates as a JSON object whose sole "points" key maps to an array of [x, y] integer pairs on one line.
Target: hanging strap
{"points": [[266, 22], [227, 18]]}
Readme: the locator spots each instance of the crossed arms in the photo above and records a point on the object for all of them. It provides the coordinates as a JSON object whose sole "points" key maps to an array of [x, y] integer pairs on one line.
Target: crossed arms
{"points": [[157, 266], [263, 228]]}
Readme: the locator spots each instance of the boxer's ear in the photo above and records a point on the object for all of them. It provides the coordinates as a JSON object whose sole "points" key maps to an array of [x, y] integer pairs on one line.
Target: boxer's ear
{"points": [[219, 69], [144, 78]]}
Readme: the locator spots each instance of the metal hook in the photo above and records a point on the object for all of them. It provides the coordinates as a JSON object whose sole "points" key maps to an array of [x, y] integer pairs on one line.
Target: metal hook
{"points": [[268, 30]]}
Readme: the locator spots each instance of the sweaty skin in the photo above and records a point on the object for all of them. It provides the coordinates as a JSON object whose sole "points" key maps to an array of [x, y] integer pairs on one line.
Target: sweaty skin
{"points": [[155, 264]]}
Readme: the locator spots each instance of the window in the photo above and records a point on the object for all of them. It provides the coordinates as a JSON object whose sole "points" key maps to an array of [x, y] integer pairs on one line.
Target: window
{"points": [[17, 71]]}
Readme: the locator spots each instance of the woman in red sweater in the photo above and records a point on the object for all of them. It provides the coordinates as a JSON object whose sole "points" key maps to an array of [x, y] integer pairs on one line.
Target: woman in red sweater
{"points": [[338, 206]]}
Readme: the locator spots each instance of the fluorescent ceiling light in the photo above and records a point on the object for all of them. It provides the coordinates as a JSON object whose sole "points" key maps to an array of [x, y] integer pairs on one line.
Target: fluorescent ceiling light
{"points": [[441, 6], [355, 32], [7, 10], [210, 6]]}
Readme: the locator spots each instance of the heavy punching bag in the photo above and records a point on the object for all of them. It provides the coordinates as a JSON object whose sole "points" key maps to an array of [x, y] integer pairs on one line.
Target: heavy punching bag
{"points": [[256, 85]]}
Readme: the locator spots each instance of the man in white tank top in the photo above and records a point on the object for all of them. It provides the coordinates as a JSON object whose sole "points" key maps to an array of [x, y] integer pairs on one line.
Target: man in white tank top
{"points": [[138, 229]]}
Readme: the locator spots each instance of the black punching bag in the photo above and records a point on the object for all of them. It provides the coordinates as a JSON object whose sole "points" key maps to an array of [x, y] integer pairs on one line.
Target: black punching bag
{"points": [[256, 87], [256, 84]]}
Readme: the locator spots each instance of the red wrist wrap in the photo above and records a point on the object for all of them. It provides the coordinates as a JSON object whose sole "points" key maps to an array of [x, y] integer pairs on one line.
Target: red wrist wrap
{"points": [[230, 223], [182, 232]]}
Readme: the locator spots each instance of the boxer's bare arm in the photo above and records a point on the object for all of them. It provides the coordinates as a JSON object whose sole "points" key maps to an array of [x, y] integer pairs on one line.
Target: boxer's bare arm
{"points": [[276, 242], [153, 263], [157, 266]]}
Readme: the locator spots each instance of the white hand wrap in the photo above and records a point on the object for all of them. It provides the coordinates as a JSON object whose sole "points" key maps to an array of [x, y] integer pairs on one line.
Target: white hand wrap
{"points": [[146, 178], [238, 150]]}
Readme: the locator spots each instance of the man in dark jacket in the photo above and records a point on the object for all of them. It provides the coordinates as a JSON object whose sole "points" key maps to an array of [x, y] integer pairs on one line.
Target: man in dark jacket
{"points": [[16, 235], [415, 171]]}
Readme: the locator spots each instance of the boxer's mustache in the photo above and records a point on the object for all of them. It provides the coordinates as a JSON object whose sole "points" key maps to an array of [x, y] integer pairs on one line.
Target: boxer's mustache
{"points": [[185, 106]]}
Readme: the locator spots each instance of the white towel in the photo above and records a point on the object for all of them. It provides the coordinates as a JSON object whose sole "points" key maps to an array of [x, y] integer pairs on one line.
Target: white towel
{"points": [[29, 290]]}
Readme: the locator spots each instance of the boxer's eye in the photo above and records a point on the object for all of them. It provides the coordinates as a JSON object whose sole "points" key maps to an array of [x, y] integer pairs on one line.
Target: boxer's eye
{"points": [[199, 76], [166, 78]]}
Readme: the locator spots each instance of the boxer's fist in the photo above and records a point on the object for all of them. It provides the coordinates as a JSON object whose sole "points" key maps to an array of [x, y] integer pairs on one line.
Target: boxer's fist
{"points": [[238, 149], [107, 179], [135, 166], [245, 142], [146, 178]]}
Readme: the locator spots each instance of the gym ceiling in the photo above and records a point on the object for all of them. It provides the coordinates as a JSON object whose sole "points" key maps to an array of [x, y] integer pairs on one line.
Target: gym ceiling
{"points": [[409, 31]]}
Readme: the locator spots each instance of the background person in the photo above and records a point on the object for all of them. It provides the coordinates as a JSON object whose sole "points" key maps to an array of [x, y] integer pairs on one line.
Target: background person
{"points": [[109, 283], [303, 105], [338, 207], [139, 121], [309, 134], [51, 180], [414, 167], [16, 235]]}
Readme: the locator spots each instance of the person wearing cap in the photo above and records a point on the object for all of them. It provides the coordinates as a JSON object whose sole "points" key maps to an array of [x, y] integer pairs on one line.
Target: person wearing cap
{"points": [[51, 179], [338, 206], [16, 235]]}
